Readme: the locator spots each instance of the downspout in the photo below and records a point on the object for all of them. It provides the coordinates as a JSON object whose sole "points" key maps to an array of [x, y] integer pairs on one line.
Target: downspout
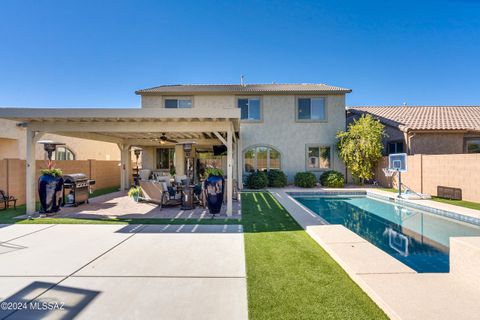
{"points": [[410, 147]]}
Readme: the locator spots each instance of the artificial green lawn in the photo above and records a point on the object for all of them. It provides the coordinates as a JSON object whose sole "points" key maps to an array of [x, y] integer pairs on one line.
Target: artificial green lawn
{"points": [[460, 203], [8, 217], [289, 276]]}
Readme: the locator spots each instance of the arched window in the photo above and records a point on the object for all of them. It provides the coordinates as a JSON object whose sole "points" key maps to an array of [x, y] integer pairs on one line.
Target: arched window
{"points": [[261, 158], [63, 153]]}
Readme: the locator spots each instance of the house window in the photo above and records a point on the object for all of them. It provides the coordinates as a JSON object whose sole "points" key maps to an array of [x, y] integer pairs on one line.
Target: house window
{"points": [[178, 103], [311, 109], [318, 157], [63, 153], [165, 158], [261, 158], [395, 147], [472, 145], [250, 109]]}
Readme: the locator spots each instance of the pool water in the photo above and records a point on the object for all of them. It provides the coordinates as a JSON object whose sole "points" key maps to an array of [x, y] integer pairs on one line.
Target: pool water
{"points": [[416, 238]]}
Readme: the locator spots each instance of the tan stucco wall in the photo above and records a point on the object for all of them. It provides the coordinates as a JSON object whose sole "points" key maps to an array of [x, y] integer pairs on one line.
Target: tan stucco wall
{"points": [[426, 172], [12, 174], [200, 101], [279, 128], [12, 145], [437, 143], [430, 143]]}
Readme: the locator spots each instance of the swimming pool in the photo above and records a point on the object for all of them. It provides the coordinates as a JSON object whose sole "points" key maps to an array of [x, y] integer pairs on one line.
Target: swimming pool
{"points": [[416, 238]]}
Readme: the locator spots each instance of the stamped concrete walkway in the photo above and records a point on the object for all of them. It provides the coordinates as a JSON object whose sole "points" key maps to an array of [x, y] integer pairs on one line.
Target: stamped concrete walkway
{"points": [[122, 272]]}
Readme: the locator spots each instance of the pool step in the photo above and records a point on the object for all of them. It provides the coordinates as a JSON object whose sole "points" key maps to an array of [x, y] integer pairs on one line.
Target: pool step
{"points": [[465, 259]]}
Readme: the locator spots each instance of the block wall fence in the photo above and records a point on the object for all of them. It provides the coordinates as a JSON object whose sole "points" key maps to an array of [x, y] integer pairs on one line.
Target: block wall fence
{"points": [[12, 174], [426, 172]]}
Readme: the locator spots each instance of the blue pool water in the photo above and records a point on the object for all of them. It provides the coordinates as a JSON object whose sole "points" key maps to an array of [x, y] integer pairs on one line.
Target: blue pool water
{"points": [[418, 239]]}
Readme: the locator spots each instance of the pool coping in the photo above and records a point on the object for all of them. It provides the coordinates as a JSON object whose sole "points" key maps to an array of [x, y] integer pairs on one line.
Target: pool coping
{"points": [[361, 260]]}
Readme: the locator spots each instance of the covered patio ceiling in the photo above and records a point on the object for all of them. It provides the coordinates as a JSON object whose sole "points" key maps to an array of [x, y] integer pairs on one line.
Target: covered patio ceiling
{"points": [[130, 126]]}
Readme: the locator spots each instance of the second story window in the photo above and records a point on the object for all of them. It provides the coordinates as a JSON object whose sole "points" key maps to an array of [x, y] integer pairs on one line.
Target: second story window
{"points": [[472, 145], [311, 109], [250, 109], [178, 103], [395, 147]]}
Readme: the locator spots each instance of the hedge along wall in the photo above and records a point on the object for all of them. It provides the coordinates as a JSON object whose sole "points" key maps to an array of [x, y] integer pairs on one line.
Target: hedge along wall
{"points": [[426, 172], [12, 174]]}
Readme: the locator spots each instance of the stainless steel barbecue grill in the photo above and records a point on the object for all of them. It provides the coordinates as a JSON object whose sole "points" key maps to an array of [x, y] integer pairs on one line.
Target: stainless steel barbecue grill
{"points": [[76, 189]]}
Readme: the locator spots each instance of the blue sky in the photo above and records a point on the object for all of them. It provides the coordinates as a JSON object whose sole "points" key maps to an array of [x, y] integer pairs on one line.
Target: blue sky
{"points": [[97, 53]]}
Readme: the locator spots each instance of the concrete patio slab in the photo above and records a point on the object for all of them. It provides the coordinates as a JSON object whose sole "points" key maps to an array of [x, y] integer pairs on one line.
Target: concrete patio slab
{"points": [[333, 233], [425, 296], [119, 205], [173, 251], [364, 257], [147, 298], [13, 231], [60, 250], [199, 272]]}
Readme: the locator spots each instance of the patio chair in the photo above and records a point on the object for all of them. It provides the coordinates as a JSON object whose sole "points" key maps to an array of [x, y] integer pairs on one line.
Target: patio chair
{"points": [[6, 199], [156, 192]]}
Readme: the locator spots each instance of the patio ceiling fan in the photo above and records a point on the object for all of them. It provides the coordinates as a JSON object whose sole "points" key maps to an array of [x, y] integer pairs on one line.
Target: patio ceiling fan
{"points": [[163, 138]]}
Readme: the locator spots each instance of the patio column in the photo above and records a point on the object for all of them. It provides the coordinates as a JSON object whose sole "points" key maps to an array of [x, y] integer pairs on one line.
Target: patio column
{"points": [[30, 172], [179, 160], [128, 168], [125, 163], [229, 171], [239, 164]]}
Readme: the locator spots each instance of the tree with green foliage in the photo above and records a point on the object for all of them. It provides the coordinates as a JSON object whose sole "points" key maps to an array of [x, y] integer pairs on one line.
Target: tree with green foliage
{"points": [[361, 146]]}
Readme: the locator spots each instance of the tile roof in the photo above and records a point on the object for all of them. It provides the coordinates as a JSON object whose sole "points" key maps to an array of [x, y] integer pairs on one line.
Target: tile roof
{"points": [[248, 88], [425, 117]]}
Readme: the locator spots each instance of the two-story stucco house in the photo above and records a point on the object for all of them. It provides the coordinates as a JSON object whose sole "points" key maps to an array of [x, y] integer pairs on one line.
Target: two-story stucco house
{"points": [[241, 128]]}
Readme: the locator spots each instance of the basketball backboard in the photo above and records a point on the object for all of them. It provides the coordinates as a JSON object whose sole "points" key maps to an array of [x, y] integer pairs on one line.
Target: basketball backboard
{"points": [[397, 162]]}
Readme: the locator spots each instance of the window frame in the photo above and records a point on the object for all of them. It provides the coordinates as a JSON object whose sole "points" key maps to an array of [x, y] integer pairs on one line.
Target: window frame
{"points": [[330, 160], [255, 159], [325, 109], [260, 100], [178, 98], [156, 158], [387, 147], [465, 144], [67, 149]]}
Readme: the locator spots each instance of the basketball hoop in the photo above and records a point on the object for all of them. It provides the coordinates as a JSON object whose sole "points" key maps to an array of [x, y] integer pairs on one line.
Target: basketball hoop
{"points": [[398, 162], [387, 172]]}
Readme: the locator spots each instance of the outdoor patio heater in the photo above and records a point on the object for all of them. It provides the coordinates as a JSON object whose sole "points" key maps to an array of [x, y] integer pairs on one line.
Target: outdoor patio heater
{"points": [[137, 152], [50, 147], [187, 194]]}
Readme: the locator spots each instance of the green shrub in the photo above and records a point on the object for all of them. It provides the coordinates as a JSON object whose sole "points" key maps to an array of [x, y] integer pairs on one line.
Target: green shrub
{"points": [[52, 172], [213, 172], [276, 179], [305, 180], [257, 180], [332, 179]]}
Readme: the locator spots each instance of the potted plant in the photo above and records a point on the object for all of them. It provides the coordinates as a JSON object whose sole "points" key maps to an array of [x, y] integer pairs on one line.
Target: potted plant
{"points": [[50, 187], [214, 186], [134, 193]]}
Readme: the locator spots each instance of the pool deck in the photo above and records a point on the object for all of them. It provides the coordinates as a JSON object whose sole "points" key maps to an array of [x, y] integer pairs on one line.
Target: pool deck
{"points": [[399, 290]]}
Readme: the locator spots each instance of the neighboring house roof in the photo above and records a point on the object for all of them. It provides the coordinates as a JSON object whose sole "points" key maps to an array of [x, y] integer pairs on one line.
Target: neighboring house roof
{"points": [[417, 118], [248, 88]]}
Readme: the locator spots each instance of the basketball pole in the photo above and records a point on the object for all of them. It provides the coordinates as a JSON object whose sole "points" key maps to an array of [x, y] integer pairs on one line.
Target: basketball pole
{"points": [[399, 183]]}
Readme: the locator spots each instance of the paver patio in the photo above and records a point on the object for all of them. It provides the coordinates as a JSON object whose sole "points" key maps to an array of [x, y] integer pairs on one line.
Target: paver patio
{"points": [[125, 272], [118, 204]]}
